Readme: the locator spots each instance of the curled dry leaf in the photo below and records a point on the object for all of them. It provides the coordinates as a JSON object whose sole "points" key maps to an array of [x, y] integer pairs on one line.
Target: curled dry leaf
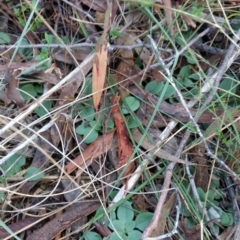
{"points": [[100, 61], [99, 72], [97, 148], [125, 148]]}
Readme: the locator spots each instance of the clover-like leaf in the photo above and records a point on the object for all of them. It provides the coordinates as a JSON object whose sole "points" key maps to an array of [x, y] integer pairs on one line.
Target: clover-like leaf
{"points": [[28, 91], [89, 133], [169, 92], [13, 165], [154, 87], [227, 219], [43, 110], [4, 38], [133, 122], [89, 235], [33, 174], [143, 219], [87, 113], [130, 103], [135, 234], [125, 212], [90, 136]]}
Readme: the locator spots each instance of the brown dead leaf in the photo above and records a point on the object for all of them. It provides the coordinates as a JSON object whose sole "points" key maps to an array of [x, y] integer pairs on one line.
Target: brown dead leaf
{"points": [[125, 148], [94, 150], [79, 54], [47, 77], [60, 223], [202, 175], [11, 89], [140, 201], [190, 234], [160, 230], [126, 67]]}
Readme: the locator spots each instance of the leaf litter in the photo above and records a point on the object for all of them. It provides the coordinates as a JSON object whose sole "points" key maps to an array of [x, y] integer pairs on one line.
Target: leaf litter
{"points": [[131, 59]]}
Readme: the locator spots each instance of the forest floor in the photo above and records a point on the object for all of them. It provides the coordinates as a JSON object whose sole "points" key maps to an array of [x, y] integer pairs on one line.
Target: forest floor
{"points": [[119, 119]]}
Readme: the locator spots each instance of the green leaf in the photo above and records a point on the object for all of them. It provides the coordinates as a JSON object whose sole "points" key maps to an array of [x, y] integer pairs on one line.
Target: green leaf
{"points": [[103, 220], [81, 129], [215, 183], [184, 211], [88, 113], [76, 109], [130, 103], [89, 235], [89, 134], [210, 195], [228, 85], [30, 89], [143, 219], [226, 219], [133, 122], [13, 165], [216, 228], [125, 213], [2, 195], [114, 236], [48, 38], [87, 89], [154, 87], [110, 124], [27, 52], [190, 222], [195, 76], [129, 226], [218, 194], [90, 137], [201, 194], [4, 38], [169, 92], [184, 72], [134, 235], [182, 39], [97, 126], [33, 174], [43, 110], [39, 88], [117, 225], [190, 58], [188, 83]]}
